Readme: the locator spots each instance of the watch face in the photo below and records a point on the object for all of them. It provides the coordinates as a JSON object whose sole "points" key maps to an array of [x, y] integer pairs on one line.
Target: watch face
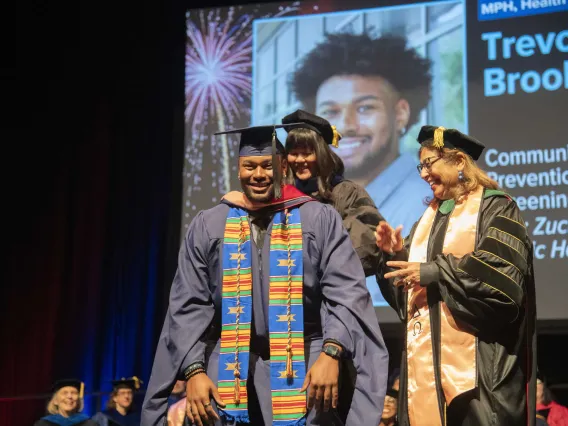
{"points": [[331, 351]]}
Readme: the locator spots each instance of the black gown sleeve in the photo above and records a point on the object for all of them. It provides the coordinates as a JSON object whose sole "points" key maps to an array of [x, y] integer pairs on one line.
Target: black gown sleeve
{"points": [[360, 217], [486, 288], [394, 295]]}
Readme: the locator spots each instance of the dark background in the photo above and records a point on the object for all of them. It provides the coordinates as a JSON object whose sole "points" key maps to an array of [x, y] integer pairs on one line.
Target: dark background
{"points": [[92, 171]]}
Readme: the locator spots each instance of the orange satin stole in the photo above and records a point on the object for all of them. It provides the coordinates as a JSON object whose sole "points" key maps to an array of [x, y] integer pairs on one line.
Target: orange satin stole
{"points": [[458, 347]]}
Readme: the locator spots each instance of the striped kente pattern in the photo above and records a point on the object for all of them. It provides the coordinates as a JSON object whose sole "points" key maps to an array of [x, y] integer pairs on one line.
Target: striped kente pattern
{"points": [[236, 317], [286, 320]]}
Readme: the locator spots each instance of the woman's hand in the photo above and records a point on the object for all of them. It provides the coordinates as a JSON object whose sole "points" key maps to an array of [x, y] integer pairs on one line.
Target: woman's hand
{"points": [[408, 273], [389, 240]]}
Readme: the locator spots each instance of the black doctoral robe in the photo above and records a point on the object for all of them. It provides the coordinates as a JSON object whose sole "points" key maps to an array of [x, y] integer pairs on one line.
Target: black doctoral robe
{"points": [[359, 215], [501, 315]]}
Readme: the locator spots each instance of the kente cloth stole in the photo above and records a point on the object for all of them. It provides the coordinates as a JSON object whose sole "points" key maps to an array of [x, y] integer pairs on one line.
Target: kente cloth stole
{"points": [[458, 347], [285, 314]]}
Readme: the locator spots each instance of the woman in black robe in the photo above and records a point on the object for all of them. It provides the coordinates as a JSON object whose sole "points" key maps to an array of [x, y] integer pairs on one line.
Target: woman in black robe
{"points": [[318, 171], [65, 406], [463, 284]]}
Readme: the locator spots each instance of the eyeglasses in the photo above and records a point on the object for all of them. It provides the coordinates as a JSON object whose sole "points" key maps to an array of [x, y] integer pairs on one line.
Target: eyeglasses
{"points": [[390, 400], [427, 164]]}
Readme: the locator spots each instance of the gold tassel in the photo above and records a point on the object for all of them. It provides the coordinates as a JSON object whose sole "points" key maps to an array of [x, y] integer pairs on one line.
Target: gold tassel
{"points": [[237, 387], [439, 137], [289, 372], [336, 137], [82, 390], [276, 170], [137, 382]]}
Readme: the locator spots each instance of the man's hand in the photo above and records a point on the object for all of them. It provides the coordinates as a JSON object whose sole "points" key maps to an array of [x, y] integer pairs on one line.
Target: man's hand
{"points": [[322, 380], [388, 239], [200, 389]]}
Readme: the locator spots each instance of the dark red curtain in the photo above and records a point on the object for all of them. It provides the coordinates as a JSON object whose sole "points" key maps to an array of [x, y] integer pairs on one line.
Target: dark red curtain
{"points": [[92, 201]]}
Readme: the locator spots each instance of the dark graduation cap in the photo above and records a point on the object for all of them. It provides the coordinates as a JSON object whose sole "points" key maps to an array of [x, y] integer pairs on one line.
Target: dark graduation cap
{"points": [[258, 141], [77, 384], [305, 120], [451, 138], [130, 383], [392, 393]]}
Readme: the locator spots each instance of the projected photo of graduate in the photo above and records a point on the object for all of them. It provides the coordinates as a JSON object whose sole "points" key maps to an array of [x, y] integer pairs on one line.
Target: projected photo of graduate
{"points": [[377, 75]]}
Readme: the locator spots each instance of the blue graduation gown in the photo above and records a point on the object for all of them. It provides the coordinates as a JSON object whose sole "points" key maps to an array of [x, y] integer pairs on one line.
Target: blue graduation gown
{"points": [[78, 419], [337, 305], [114, 418]]}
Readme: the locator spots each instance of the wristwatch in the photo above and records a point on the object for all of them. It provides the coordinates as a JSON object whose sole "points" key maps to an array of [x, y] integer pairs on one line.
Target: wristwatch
{"points": [[332, 351]]}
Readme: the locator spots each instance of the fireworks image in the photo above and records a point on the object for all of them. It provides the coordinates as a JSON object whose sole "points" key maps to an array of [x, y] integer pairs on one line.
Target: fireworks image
{"points": [[218, 62], [217, 76], [218, 86]]}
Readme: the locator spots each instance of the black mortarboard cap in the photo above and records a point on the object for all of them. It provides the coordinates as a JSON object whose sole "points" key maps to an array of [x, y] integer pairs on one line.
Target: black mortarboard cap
{"points": [[77, 384], [258, 141], [392, 393], [451, 138], [131, 383], [306, 120]]}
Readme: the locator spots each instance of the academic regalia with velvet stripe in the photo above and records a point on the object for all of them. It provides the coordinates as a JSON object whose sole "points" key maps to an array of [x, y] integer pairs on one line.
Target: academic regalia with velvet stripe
{"points": [[78, 419], [111, 417], [114, 418], [336, 305], [490, 294]]}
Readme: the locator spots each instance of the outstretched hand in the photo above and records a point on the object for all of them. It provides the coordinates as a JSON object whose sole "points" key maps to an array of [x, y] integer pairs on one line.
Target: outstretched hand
{"points": [[407, 273], [388, 239]]}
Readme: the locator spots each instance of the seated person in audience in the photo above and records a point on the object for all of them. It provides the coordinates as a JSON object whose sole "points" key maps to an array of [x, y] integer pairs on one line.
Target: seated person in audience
{"points": [[120, 408], [65, 406], [394, 379], [540, 421], [547, 409], [389, 416]]}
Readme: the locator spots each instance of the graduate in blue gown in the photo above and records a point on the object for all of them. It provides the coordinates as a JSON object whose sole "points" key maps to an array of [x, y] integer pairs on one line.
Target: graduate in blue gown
{"points": [[65, 406], [268, 298], [121, 410]]}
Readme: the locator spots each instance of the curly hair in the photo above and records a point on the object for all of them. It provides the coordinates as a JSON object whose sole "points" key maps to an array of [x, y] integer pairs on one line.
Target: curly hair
{"points": [[353, 54]]}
